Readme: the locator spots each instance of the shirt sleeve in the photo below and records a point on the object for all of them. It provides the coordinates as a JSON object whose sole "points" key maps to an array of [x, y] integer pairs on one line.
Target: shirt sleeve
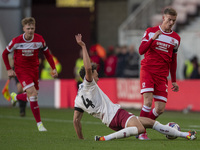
{"points": [[146, 43], [49, 58], [11, 46], [173, 67], [5, 59], [47, 54], [78, 109]]}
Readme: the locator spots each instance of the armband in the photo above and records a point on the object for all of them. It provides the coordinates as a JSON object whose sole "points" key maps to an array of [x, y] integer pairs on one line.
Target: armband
{"points": [[44, 48], [175, 50]]}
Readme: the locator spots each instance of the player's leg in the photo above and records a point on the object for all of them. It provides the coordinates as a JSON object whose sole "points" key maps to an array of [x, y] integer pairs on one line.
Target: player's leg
{"points": [[128, 124], [165, 129], [19, 97], [22, 99], [22, 96], [29, 81], [158, 110], [147, 89], [32, 96], [160, 97], [153, 114], [146, 108]]}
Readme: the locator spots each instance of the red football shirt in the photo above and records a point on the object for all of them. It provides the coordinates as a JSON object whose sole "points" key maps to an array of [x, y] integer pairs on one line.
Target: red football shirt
{"points": [[26, 52], [158, 55]]}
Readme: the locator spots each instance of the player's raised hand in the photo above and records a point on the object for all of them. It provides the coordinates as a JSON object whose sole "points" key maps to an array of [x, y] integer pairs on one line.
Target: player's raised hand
{"points": [[156, 35], [79, 40]]}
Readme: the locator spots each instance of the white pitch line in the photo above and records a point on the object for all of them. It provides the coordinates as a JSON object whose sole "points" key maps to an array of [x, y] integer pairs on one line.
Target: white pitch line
{"points": [[194, 126], [48, 119], [84, 122]]}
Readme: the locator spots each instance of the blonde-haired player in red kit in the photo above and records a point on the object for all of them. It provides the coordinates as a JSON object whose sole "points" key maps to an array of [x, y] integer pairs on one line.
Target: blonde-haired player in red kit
{"points": [[26, 62], [159, 46]]}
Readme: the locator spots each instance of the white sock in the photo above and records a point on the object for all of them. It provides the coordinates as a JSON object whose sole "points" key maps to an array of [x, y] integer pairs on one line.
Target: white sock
{"points": [[155, 113], [167, 130], [126, 132]]}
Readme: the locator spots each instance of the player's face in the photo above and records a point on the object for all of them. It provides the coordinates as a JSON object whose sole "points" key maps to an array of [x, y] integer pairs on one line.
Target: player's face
{"points": [[29, 31], [168, 22], [95, 76]]}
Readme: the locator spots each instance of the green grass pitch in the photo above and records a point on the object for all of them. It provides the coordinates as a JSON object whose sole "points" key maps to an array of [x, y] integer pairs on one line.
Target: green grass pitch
{"points": [[17, 133]]}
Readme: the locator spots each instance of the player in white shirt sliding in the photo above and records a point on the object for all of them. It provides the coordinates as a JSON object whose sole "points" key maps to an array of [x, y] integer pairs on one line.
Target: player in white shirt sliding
{"points": [[93, 100]]}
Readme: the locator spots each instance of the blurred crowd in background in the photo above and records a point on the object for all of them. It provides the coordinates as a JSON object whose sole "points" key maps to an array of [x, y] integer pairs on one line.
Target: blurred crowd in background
{"points": [[115, 61], [123, 33], [192, 68]]}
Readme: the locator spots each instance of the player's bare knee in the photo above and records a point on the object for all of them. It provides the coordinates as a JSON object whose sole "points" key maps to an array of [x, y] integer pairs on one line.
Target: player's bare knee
{"points": [[31, 92], [33, 98], [159, 111]]}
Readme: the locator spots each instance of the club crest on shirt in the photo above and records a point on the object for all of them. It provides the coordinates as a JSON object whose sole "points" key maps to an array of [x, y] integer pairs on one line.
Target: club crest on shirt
{"points": [[172, 41], [35, 45]]}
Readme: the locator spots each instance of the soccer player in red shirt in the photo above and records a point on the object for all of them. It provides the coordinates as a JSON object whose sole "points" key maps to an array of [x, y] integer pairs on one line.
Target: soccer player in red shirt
{"points": [[26, 62], [159, 46]]}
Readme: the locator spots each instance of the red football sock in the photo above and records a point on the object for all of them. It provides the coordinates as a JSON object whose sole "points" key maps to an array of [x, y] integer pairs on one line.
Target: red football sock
{"points": [[22, 97], [152, 114], [35, 109], [145, 111]]}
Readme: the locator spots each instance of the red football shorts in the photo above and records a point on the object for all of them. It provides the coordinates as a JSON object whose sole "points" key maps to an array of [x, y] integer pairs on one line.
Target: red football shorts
{"points": [[28, 79], [120, 119], [156, 84]]}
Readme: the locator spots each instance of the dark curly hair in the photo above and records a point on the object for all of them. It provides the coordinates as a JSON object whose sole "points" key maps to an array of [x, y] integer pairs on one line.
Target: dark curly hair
{"points": [[82, 71]]}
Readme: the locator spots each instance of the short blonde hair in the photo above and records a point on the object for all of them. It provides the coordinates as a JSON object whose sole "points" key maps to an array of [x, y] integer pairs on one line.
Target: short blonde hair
{"points": [[170, 11], [28, 20]]}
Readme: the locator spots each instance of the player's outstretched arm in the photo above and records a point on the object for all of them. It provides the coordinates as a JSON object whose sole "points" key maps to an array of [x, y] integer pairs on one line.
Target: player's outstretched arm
{"points": [[86, 58], [77, 123]]}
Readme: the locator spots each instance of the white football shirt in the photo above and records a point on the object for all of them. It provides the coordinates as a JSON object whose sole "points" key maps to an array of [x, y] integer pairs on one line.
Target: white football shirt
{"points": [[93, 100]]}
